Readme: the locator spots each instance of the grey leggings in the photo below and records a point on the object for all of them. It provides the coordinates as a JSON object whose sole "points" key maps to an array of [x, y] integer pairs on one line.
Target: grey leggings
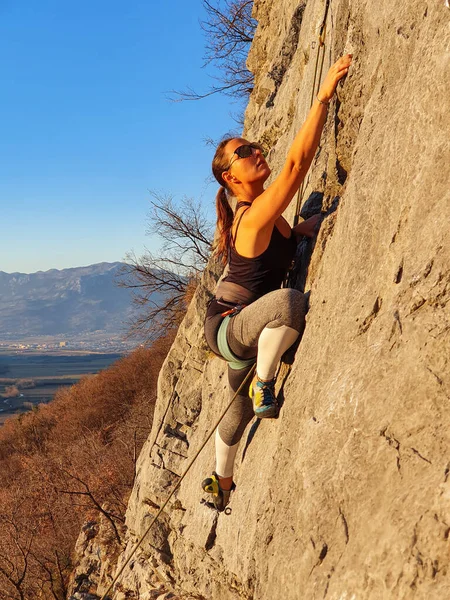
{"points": [[281, 307]]}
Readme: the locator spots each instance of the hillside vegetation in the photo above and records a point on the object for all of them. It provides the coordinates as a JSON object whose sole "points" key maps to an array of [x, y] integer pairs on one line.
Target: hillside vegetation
{"points": [[66, 463]]}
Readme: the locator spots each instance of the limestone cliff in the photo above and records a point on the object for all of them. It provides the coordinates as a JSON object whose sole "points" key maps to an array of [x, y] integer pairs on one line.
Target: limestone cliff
{"points": [[346, 495]]}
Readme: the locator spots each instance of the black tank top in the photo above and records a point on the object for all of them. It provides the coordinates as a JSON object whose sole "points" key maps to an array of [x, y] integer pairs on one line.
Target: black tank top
{"points": [[266, 272]]}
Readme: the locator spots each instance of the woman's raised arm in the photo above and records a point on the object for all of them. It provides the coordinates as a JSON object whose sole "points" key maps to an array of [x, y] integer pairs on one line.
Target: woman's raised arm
{"points": [[274, 200]]}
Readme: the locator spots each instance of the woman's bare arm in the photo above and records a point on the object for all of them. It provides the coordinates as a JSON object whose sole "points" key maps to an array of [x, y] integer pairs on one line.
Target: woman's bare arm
{"points": [[267, 207]]}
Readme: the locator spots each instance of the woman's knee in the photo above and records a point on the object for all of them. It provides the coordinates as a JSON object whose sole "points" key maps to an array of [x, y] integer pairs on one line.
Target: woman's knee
{"points": [[290, 308]]}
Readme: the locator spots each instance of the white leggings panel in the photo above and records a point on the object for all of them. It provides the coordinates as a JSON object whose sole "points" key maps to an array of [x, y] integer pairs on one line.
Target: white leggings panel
{"points": [[272, 344], [225, 456]]}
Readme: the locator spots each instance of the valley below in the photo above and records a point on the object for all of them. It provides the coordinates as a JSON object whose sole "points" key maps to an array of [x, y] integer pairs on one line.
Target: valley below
{"points": [[28, 378]]}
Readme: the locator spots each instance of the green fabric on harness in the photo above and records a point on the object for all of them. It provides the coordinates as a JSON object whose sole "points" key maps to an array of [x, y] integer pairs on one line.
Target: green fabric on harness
{"points": [[233, 361]]}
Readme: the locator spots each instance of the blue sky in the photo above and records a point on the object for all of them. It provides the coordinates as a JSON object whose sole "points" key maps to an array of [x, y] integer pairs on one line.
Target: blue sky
{"points": [[86, 128]]}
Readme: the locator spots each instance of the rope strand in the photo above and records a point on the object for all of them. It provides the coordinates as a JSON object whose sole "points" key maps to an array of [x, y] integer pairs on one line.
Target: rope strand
{"points": [[322, 35]]}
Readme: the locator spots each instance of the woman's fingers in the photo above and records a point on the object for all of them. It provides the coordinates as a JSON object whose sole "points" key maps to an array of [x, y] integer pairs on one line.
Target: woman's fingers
{"points": [[335, 74], [343, 64], [345, 61]]}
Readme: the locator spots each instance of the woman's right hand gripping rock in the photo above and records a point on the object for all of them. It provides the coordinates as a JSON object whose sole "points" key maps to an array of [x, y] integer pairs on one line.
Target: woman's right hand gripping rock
{"points": [[334, 75]]}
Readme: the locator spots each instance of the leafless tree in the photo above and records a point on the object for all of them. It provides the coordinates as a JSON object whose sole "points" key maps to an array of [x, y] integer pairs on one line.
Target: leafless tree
{"points": [[229, 29], [93, 501], [185, 229], [163, 282], [14, 556]]}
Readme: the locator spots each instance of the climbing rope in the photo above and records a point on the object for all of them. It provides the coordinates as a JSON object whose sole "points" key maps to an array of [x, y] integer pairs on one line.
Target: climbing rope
{"points": [[144, 535], [322, 33]]}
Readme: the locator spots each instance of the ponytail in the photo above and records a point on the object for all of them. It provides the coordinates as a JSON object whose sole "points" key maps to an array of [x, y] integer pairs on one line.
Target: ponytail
{"points": [[225, 217]]}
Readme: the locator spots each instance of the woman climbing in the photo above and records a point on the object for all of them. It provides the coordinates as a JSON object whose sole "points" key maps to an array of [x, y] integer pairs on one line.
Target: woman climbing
{"points": [[251, 318]]}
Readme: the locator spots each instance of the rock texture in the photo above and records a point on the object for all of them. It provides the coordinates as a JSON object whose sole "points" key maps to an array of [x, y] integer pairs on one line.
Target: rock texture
{"points": [[347, 494], [95, 553]]}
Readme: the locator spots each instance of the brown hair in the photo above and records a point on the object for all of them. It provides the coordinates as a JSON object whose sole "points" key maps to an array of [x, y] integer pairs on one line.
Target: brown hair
{"points": [[224, 211]]}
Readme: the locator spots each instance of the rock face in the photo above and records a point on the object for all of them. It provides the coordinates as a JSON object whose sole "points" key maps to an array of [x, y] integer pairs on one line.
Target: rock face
{"points": [[347, 494]]}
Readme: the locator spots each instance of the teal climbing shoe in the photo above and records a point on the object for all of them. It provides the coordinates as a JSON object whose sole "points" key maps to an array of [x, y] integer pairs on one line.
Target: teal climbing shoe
{"points": [[262, 393], [220, 497]]}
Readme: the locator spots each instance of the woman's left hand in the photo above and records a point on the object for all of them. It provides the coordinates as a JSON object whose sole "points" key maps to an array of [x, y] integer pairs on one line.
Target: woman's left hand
{"points": [[308, 227]]}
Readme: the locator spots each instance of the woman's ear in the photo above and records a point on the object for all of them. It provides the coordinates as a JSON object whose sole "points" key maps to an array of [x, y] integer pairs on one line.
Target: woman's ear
{"points": [[226, 177], [229, 178]]}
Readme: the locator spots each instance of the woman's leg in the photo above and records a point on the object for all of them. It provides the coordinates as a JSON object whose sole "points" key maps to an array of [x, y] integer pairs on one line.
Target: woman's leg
{"points": [[266, 329], [232, 427], [272, 344]]}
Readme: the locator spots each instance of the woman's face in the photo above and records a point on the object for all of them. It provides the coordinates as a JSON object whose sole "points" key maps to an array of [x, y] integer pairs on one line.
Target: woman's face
{"points": [[249, 169]]}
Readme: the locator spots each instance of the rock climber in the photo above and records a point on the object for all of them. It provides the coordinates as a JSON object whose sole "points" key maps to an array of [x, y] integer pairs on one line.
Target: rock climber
{"points": [[250, 318]]}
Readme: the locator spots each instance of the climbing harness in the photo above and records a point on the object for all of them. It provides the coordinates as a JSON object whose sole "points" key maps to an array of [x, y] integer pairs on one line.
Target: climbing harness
{"points": [[314, 92], [233, 311], [233, 361], [144, 535]]}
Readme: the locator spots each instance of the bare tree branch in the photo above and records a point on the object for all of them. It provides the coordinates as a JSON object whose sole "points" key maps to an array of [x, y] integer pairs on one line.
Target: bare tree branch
{"points": [[108, 515], [162, 284], [229, 29]]}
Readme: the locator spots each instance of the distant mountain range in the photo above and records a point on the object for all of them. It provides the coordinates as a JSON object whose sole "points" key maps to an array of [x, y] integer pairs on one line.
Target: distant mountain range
{"points": [[68, 301]]}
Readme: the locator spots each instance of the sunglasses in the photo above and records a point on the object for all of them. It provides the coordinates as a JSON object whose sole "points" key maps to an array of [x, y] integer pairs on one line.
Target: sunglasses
{"points": [[245, 151]]}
